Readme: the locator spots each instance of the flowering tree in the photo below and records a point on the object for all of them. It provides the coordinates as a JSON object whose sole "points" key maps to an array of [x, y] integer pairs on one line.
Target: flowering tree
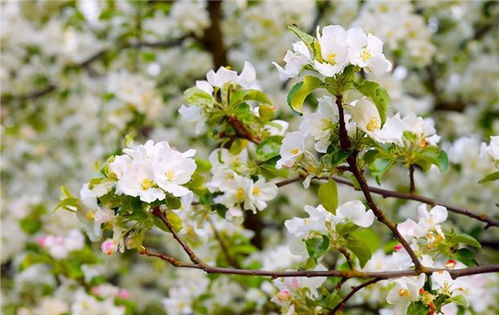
{"points": [[216, 199]]}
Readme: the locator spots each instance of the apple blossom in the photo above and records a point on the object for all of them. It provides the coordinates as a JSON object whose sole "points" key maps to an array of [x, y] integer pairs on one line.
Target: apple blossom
{"points": [[292, 147]]}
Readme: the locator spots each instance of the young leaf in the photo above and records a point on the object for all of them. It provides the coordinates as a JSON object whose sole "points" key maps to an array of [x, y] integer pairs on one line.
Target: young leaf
{"points": [[328, 195], [360, 249], [268, 149], [378, 94], [307, 39], [369, 236], [300, 91], [198, 97], [317, 246], [466, 256], [443, 161], [490, 178], [466, 239]]}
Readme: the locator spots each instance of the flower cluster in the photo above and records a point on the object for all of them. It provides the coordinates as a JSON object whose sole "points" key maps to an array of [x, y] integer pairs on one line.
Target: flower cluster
{"points": [[334, 49], [149, 171]]}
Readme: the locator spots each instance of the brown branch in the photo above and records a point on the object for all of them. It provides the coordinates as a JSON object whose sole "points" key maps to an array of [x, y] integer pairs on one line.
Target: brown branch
{"points": [[348, 274], [354, 168], [385, 193], [242, 131], [355, 289], [95, 57], [158, 213], [347, 256], [213, 37], [412, 183]]}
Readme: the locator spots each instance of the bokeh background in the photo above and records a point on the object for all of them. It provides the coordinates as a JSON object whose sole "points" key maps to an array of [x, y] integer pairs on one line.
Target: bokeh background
{"points": [[78, 76]]}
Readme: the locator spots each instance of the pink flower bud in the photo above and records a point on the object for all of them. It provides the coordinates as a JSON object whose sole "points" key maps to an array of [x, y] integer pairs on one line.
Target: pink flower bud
{"points": [[123, 294], [109, 247], [284, 295], [42, 241], [397, 247], [451, 263]]}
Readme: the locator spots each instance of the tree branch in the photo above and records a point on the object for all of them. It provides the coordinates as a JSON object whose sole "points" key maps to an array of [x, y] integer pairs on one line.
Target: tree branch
{"points": [[383, 275], [158, 213], [412, 183], [355, 289], [385, 193], [353, 167], [95, 57]]}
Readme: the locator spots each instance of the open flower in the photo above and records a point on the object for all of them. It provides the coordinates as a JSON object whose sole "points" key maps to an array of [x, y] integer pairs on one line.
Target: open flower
{"points": [[292, 147], [355, 211], [148, 171], [333, 50], [246, 79], [295, 61], [405, 291], [366, 51], [316, 222]]}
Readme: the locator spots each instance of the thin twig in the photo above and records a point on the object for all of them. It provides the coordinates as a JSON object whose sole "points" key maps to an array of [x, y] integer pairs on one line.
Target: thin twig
{"points": [[158, 213], [383, 275], [354, 168], [412, 183], [355, 289], [347, 257], [386, 193]]}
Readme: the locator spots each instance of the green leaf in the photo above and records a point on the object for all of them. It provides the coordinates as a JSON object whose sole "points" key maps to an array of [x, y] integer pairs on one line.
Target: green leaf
{"points": [[265, 112], [328, 195], [361, 249], [300, 91], [317, 246], [198, 97], [378, 94], [309, 41], [466, 239], [380, 167], [443, 161], [345, 229], [418, 308], [369, 236], [490, 178], [268, 149], [466, 256], [256, 95], [30, 224], [458, 299]]}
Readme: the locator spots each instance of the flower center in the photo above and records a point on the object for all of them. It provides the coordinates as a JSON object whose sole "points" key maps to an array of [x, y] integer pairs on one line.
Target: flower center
{"points": [[170, 175], [405, 293], [294, 151], [331, 58], [147, 183], [256, 191], [373, 124], [365, 55], [240, 194]]}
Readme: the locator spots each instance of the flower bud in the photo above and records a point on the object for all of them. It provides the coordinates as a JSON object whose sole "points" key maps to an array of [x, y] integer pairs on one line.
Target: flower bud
{"points": [[109, 247]]}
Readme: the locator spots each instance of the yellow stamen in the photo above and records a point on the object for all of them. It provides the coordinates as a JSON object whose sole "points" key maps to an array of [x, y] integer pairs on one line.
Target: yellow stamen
{"points": [[365, 55], [373, 124], [240, 194], [147, 183], [294, 151], [405, 293], [331, 58], [170, 175], [90, 215], [256, 191]]}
